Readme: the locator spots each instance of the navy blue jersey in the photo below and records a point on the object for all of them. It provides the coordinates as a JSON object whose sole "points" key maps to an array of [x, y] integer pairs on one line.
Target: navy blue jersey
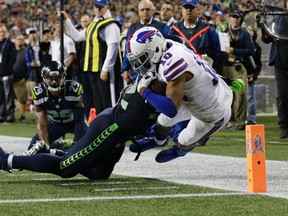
{"points": [[97, 152], [59, 109]]}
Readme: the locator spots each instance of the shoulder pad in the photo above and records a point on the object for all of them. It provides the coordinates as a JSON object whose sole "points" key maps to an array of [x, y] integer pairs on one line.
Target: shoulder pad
{"points": [[39, 94], [73, 90]]}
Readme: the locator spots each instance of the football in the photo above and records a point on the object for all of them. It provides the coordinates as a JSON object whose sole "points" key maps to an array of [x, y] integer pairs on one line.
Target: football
{"points": [[158, 87]]}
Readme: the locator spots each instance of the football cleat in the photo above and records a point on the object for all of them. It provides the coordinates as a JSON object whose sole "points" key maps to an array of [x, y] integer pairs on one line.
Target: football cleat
{"points": [[202, 142], [237, 85], [3, 161], [38, 147], [170, 154], [145, 144]]}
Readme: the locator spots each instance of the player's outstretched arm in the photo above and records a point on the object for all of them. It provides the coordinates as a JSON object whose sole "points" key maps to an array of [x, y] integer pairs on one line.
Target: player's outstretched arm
{"points": [[42, 123]]}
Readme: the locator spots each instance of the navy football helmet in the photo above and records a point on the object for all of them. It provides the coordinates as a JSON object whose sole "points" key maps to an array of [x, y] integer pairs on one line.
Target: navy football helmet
{"points": [[54, 74]]}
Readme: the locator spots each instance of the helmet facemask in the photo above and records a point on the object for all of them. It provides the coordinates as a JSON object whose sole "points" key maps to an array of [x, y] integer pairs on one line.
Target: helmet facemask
{"points": [[141, 63], [54, 81], [54, 74]]}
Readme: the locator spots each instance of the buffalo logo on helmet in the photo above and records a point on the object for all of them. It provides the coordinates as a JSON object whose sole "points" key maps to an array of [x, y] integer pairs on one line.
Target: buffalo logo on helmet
{"points": [[147, 36]]}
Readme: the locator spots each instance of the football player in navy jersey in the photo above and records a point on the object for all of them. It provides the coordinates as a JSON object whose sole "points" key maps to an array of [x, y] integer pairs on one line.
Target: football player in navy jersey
{"points": [[58, 107], [97, 152]]}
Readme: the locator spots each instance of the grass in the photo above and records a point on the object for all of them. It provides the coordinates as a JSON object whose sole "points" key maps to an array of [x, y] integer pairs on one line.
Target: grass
{"points": [[121, 195], [225, 143]]}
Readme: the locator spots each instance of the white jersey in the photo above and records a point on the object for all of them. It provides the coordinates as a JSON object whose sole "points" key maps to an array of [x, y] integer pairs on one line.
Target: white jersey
{"points": [[205, 94]]}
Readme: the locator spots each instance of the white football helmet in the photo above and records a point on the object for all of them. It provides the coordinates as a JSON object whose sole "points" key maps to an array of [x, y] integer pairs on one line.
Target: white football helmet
{"points": [[145, 49]]}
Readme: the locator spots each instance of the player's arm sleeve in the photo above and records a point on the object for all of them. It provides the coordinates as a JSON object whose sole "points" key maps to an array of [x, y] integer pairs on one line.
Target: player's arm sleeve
{"points": [[42, 123], [163, 104], [79, 123]]}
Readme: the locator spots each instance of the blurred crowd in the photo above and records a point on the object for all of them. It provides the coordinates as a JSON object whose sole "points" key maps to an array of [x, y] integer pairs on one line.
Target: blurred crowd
{"points": [[34, 27], [40, 14]]}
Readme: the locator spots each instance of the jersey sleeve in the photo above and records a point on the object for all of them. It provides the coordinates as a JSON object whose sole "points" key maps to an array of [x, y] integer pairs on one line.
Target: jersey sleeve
{"points": [[174, 67], [74, 91], [39, 94]]}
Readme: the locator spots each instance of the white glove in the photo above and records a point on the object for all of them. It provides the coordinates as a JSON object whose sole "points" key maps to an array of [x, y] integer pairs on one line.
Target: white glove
{"points": [[145, 81]]}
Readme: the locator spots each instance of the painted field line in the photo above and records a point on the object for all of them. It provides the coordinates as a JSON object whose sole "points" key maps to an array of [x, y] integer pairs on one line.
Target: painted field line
{"points": [[120, 197], [137, 188], [99, 183]]}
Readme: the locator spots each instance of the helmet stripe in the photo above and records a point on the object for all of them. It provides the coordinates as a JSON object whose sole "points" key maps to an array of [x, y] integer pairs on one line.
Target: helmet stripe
{"points": [[147, 35]]}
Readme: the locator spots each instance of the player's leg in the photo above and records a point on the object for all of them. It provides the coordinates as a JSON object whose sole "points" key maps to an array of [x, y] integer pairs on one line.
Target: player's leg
{"points": [[83, 155], [196, 131], [104, 170], [91, 150], [162, 131], [45, 163]]}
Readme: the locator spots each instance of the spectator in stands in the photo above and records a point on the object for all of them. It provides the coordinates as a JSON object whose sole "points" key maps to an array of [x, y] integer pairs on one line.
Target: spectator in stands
{"points": [[253, 71], [20, 72], [102, 39], [68, 49], [82, 76], [123, 35], [145, 12], [199, 36], [241, 47], [45, 45], [167, 13], [7, 60], [33, 60], [220, 22]]}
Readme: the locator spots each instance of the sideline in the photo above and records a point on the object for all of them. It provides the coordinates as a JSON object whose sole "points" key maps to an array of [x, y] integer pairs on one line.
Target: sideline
{"points": [[118, 197], [227, 173]]}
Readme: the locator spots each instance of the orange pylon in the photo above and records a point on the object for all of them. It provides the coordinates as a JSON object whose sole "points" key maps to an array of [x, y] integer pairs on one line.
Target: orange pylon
{"points": [[92, 115], [256, 158]]}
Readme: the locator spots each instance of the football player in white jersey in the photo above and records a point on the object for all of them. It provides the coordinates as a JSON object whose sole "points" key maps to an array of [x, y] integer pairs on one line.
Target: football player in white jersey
{"points": [[193, 91]]}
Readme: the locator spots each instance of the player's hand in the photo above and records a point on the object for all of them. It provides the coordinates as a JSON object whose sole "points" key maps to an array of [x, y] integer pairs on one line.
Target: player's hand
{"points": [[145, 81]]}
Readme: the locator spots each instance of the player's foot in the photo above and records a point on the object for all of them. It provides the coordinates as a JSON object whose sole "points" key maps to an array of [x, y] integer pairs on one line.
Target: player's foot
{"points": [[145, 144], [38, 147], [170, 154], [202, 142], [237, 85], [3, 161]]}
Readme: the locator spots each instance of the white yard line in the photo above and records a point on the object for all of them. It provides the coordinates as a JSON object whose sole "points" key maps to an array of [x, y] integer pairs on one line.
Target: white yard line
{"points": [[118, 197], [227, 173]]}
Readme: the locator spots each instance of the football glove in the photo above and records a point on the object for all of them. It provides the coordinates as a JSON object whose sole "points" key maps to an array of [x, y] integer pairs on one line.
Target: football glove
{"points": [[145, 81], [237, 85], [38, 147]]}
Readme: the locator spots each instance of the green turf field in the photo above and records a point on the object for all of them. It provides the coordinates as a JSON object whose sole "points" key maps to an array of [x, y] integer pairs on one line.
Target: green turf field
{"points": [[28, 193]]}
